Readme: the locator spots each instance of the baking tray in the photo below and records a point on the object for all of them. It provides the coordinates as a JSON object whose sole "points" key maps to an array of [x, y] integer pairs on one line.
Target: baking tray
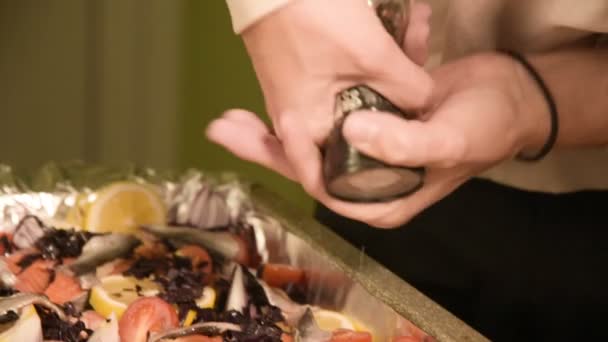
{"points": [[340, 276]]}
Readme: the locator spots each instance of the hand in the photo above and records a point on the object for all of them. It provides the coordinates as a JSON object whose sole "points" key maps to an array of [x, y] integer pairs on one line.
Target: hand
{"points": [[486, 109], [308, 51], [303, 55]]}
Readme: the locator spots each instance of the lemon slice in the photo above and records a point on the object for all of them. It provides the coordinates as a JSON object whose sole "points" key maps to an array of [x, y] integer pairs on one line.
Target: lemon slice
{"points": [[122, 207], [331, 320], [116, 292], [27, 327], [207, 299], [190, 317]]}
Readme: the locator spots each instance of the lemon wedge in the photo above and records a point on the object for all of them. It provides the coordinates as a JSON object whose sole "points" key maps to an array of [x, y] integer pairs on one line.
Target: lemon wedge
{"points": [[207, 299], [331, 320], [27, 327], [122, 207], [190, 317], [114, 294]]}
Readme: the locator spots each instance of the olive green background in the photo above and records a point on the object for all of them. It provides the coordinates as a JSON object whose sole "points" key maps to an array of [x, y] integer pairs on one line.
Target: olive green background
{"points": [[115, 81], [216, 76]]}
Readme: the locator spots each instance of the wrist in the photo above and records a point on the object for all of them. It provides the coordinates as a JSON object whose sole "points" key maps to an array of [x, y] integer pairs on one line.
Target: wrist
{"points": [[534, 106]]}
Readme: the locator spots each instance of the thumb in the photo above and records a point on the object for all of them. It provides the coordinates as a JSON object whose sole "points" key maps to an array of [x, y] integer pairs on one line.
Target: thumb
{"points": [[398, 141]]}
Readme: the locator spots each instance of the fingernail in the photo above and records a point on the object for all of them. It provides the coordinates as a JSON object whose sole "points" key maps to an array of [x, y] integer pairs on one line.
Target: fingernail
{"points": [[359, 129]]}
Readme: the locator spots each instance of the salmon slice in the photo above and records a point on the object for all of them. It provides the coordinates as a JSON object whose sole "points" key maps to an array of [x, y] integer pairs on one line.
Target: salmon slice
{"points": [[12, 261], [63, 289], [35, 278]]}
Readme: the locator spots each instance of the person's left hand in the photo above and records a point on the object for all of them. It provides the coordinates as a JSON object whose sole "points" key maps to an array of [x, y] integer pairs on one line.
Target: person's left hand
{"points": [[486, 109]]}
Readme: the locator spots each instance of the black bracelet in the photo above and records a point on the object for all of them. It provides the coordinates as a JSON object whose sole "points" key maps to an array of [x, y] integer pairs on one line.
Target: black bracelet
{"points": [[550, 102]]}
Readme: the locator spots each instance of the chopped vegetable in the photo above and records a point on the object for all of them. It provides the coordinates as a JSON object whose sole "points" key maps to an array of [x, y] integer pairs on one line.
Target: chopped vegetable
{"points": [[144, 316]]}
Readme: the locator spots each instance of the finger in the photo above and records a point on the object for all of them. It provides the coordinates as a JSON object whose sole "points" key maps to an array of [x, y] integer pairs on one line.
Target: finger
{"points": [[301, 152], [398, 141], [246, 117], [417, 34], [305, 158], [250, 144]]}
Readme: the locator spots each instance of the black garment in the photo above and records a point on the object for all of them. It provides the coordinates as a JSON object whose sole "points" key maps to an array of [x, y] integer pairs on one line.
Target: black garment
{"points": [[515, 265]]}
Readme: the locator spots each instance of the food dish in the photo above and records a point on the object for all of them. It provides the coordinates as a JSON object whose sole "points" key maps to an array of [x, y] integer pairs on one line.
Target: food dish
{"points": [[348, 285], [124, 271]]}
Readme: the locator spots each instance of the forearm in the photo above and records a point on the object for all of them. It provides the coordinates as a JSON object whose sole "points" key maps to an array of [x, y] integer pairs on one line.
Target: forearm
{"points": [[578, 81]]}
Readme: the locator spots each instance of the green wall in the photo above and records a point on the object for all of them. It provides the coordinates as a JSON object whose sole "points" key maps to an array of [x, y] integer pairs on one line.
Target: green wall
{"points": [[217, 75]]}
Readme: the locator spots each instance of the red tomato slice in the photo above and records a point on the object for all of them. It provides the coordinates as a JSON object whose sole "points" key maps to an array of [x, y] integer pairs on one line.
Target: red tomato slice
{"points": [[343, 335], [277, 275], [198, 256], [147, 314]]}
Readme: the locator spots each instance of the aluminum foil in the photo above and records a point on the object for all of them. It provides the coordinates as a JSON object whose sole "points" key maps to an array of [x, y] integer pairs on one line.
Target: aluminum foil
{"points": [[340, 277]]}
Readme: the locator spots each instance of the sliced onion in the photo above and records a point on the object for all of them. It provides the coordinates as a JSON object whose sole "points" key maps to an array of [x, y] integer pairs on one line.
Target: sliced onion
{"points": [[28, 231]]}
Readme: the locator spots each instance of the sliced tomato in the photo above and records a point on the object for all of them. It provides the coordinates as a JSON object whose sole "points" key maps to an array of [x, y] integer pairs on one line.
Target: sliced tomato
{"points": [[145, 315], [63, 289], [35, 278], [198, 255], [198, 338], [278, 275], [343, 335]]}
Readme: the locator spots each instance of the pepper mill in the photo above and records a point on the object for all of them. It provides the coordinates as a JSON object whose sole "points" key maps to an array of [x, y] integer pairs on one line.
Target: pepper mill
{"points": [[349, 174]]}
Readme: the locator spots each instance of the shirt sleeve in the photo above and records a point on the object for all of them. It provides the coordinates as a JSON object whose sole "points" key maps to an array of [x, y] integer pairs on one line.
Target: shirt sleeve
{"points": [[246, 12]]}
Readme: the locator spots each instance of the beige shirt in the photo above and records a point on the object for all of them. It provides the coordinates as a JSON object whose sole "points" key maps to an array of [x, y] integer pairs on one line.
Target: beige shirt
{"points": [[462, 27]]}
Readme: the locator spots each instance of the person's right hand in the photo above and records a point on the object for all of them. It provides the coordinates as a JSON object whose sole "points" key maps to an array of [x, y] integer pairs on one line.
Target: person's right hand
{"points": [[303, 55], [308, 51]]}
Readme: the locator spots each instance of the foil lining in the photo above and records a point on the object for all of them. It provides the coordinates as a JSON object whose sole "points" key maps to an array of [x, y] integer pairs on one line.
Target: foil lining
{"points": [[339, 276]]}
